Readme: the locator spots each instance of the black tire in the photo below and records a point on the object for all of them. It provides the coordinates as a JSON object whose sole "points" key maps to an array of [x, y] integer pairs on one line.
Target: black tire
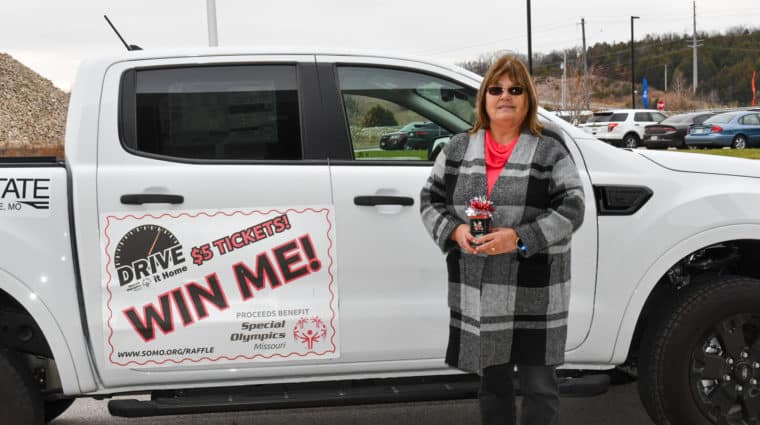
{"points": [[739, 142], [20, 401], [631, 140], [690, 342], [54, 408]]}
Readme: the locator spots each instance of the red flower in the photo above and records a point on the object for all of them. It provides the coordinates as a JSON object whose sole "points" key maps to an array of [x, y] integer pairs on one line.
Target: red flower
{"points": [[481, 203]]}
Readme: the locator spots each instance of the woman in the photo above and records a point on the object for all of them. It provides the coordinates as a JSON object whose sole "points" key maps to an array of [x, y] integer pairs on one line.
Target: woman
{"points": [[509, 290]]}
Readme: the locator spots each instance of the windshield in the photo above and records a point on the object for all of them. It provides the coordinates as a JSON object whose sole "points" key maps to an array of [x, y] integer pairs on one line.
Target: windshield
{"points": [[458, 100]]}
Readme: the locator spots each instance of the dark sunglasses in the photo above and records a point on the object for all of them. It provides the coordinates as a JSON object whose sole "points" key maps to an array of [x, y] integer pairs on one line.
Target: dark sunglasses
{"points": [[498, 91]]}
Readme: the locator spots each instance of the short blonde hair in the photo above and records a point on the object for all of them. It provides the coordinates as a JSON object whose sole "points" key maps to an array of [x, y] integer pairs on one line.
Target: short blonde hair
{"points": [[516, 70]]}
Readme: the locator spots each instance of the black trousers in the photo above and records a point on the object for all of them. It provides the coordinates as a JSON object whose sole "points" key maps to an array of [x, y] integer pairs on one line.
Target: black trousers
{"points": [[538, 385]]}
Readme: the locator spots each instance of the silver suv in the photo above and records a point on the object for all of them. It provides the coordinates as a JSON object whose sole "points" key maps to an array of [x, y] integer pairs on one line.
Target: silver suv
{"points": [[621, 127]]}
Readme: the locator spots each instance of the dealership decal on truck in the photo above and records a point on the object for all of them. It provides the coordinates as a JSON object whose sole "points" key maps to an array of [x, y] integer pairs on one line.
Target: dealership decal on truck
{"points": [[24, 196], [252, 285]]}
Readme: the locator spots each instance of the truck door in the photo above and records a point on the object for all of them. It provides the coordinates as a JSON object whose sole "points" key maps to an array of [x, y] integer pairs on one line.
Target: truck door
{"points": [[393, 280], [216, 235], [393, 291]]}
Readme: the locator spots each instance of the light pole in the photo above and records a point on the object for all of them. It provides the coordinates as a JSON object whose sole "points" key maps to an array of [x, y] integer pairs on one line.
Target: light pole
{"points": [[213, 41], [633, 65], [530, 44]]}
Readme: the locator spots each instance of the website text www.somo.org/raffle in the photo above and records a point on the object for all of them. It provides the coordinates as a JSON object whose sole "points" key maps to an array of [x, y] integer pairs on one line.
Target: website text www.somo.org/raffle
{"points": [[178, 351]]}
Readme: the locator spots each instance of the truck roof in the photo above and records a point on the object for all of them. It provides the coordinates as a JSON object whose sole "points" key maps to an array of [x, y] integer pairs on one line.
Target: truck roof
{"points": [[169, 53]]}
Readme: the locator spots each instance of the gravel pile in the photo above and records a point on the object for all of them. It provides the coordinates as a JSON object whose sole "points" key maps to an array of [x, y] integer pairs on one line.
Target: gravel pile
{"points": [[32, 110]]}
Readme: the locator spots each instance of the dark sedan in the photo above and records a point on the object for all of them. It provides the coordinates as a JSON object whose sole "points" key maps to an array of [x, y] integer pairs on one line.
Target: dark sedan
{"points": [[672, 131], [415, 135]]}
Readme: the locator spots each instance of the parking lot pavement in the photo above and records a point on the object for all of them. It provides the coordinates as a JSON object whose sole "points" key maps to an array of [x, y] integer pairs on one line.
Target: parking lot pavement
{"points": [[619, 406]]}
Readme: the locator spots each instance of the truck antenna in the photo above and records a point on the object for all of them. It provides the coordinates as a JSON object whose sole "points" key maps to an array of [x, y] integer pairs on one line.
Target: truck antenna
{"points": [[128, 46]]}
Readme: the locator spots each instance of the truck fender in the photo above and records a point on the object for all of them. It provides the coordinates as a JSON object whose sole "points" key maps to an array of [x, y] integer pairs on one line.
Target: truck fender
{"points": [[50, 329], [658, 269]]}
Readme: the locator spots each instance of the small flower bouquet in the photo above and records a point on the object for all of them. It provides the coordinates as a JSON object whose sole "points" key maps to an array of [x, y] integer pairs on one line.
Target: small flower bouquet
{"points": [[479, 211]]}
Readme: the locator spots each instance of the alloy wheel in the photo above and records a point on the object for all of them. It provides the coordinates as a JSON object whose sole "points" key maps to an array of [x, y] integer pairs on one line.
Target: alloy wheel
{"points": [[725, 371], [740, 142], [630, 141]]}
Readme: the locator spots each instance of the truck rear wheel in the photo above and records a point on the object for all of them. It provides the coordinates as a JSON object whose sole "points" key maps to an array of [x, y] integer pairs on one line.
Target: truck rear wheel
{"points": [[20, 401], [700, 360]]}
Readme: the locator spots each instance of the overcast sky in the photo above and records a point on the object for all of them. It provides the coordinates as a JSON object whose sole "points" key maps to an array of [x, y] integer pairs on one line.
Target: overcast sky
{"points": [[53, 36]]}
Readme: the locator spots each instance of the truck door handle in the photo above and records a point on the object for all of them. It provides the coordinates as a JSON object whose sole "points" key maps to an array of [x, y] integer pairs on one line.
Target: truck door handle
{"points": [[151, 198], [370, 201]]}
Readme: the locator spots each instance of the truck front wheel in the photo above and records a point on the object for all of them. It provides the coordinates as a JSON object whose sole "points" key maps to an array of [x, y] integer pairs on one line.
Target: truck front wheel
{"points": [[700, 359], [20, 401]]}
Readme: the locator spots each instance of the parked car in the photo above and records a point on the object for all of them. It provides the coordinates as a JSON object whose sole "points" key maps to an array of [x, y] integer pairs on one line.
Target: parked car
{"points": [[671, 131], [737, 129], [415, 135], [621, 127]]}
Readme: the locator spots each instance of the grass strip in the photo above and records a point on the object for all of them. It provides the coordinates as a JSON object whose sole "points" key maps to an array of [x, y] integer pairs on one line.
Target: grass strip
{"points": [[399, 154], [736, 153]]}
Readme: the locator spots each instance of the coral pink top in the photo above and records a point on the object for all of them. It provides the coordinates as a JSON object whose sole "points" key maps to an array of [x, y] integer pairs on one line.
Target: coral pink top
{"points": [[496, 156]]}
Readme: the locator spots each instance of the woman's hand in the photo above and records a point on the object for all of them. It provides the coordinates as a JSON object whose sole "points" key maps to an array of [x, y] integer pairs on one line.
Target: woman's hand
{"points": [[501, 240], [462, 236]]}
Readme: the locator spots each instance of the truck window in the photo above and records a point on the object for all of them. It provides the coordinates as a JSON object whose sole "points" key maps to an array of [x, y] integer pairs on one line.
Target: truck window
{"points": [[396, 114], [212, 112]]}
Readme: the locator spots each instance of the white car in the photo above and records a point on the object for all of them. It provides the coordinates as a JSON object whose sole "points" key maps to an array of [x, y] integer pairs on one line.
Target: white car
{"points": [[621, 127]]}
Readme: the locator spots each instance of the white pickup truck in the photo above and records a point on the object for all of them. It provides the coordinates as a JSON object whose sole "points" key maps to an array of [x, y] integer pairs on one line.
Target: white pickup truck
{"points": [[224, 234]]}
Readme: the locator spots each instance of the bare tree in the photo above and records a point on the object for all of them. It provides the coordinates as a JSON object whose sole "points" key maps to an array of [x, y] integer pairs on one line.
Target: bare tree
{"points": [[484, 61], [679, 99], [576, 92], [678, 83]]}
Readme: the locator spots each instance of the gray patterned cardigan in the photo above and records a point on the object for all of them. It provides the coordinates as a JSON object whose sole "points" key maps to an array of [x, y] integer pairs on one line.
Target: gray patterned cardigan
{"points": [[508, 308]]}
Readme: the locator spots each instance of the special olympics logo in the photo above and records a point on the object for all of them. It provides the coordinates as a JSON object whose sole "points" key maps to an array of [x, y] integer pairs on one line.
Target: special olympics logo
{"points": [[309, 331]]}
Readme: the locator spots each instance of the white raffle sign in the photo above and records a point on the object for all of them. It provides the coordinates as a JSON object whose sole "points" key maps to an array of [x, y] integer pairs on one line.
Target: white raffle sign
{"points": [[219, 286]]}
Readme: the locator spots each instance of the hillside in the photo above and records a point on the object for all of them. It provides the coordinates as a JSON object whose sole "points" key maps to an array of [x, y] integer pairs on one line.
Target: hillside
{"points": [[32, 111], [725, 65]]}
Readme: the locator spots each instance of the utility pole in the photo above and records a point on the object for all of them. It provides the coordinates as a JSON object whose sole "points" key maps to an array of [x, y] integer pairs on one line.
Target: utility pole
{"points": [[633, 68], [586, 97], [211, 17], [694, 47], [564, 78], [530, 44], [666, 77]]}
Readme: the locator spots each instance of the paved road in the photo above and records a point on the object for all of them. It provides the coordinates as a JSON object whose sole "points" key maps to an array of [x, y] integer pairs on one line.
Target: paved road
{"points": [[620, 406]]}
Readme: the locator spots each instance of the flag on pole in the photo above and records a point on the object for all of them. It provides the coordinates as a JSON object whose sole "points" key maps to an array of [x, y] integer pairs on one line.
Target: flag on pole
{"points": [[645, 94], [754, 92]]}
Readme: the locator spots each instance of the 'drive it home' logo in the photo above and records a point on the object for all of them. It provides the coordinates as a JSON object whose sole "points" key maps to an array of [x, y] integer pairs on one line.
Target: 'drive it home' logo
{"points": [[147, 254], [309, 331], [18, 193]]}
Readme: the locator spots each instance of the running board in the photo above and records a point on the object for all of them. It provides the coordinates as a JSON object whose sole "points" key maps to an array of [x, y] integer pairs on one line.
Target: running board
{"points": [[323, 394]]}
